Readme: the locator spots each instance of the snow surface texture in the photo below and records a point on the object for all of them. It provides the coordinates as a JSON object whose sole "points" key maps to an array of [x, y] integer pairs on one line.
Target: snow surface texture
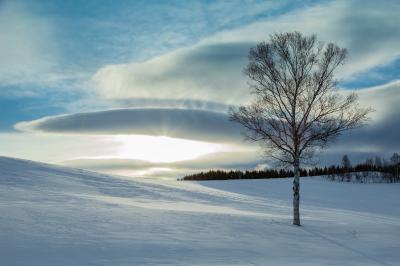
{"points": [[54, 215]]}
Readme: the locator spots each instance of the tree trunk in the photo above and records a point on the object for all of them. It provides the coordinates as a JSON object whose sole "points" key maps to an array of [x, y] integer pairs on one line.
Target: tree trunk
{"points": [[296, 194]]}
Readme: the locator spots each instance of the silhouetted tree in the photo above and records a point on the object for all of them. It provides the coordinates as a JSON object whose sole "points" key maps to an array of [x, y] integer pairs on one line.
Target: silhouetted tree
{"points": [[346, 164], [378, 162], [296, 107], [369, 162], [395, 161]]}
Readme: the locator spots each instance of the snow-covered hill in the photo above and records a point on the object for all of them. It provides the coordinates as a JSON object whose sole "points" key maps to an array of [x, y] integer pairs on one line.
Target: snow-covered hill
{"points": [[52, 215]]}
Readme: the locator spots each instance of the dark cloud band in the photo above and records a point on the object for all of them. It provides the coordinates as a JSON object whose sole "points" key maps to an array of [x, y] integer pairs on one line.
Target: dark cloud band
{"points": [[177, 123]]}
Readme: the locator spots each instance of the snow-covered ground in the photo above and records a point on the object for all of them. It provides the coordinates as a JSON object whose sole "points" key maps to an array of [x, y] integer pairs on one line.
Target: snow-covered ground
{"points": [[52, 215]]}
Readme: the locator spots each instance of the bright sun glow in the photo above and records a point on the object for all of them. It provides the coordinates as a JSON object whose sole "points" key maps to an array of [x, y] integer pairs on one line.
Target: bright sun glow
{"points": [[163, 149]]}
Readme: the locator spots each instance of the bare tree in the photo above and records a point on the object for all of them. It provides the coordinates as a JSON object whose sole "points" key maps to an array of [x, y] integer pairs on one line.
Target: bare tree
{"points": [[297, 108], [346, 164], [369, 162], [395, 161], [346, 167], [378, 162]]}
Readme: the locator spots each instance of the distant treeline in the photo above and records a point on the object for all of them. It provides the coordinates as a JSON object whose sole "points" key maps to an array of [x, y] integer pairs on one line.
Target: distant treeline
{"points": [[372, 170], [237, 174]]}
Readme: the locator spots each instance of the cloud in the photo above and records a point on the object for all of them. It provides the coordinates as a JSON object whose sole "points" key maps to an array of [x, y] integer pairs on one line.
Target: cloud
{"points": [[245, 159], [368, 29], [34, 51], [82, 135], [175, 123], [382, 133], [379, 136], [212, 69], [54, 148], [202, 72], [26, 48], [383, 98]]}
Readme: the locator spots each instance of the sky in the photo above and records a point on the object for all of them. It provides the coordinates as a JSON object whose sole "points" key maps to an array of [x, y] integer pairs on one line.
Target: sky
{"points": [[143, 87]]}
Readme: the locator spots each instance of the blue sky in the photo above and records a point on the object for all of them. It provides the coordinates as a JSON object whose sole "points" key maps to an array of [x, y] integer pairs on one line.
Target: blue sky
{"points": [[67, 57], [73, 39]]}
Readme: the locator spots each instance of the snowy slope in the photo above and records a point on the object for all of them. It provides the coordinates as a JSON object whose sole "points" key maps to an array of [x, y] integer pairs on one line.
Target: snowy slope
{"points": [[54, 215]]}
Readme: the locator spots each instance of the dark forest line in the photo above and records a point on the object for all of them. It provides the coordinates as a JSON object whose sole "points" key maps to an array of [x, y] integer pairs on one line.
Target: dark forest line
{"points": [[372, 170]]}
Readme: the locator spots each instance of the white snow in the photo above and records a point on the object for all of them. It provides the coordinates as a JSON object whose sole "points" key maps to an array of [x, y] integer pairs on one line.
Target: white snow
{"points": [[51, 215]]}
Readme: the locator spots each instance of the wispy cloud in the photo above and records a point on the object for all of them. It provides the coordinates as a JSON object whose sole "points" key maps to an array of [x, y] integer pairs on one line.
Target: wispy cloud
{"points": [[32, 57], [26, 48], [366, 28], [212, 69]]}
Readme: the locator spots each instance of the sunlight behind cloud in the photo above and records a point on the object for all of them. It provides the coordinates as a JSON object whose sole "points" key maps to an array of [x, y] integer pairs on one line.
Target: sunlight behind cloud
{"points": [[162, 149]]}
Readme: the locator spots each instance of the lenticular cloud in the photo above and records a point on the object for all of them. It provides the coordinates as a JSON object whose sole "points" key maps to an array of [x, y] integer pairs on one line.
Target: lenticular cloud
{"points": [[177, 123]]}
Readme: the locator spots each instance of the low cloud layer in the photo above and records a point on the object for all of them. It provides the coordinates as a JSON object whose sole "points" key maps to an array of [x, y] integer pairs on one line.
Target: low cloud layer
{"points": [[246, 159], [175, 123], [379, 137]]}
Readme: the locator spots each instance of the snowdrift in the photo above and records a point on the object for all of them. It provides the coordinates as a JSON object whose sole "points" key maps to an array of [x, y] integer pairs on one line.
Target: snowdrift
{"points": [[53, 215]]}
